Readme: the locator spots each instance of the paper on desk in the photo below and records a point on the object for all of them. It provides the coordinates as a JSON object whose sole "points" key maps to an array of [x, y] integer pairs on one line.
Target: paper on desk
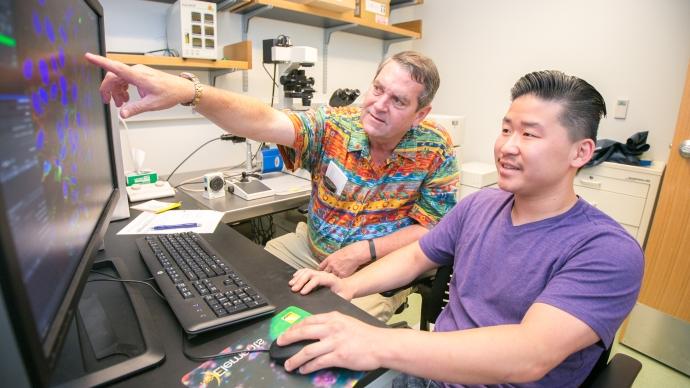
{"points": [[144, 223], [151, 206]]}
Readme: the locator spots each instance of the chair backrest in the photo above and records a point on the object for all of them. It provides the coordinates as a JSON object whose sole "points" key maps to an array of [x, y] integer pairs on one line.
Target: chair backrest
{"points": [[434, 296], [599, 366]]}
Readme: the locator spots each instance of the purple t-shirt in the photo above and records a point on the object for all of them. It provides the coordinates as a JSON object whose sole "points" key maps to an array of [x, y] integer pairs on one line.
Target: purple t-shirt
{"points": [[581, 262]]}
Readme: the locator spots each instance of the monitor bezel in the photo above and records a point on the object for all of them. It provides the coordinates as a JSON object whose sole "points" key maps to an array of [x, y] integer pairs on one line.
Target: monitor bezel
{"points": [[39, 356]]}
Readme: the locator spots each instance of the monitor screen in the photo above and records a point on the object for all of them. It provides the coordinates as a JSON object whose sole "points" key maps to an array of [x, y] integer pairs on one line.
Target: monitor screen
{"points": [[57, 180]]}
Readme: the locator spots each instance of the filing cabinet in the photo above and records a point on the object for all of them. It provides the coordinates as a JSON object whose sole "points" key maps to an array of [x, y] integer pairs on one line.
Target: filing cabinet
{"points": [[626, 193]]}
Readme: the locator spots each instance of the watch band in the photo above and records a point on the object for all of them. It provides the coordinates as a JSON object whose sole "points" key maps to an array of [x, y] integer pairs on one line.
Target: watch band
{"points": [[198, 89], [372, 249]]}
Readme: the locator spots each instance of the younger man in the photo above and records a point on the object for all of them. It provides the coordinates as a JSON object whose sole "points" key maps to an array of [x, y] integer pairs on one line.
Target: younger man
{"points": [[542, 280]]}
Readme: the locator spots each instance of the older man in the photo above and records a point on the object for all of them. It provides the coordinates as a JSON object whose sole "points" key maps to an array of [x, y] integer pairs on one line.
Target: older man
{"points": [[381, 174]]}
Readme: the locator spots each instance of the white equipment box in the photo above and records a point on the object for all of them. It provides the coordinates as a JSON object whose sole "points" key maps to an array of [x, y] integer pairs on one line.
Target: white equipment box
{"points": [[478, 174], [455, 125], [145, 191], [252, 190], [474, 176], [192, 29]]}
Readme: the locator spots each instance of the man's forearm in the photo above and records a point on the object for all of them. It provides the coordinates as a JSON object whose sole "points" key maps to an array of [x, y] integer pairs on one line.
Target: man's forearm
{"points": [[392, 271], [398, 239], [491, 355], [246, 116]]}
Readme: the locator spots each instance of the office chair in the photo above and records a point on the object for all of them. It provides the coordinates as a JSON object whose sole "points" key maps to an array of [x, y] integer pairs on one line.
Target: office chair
{"points": [[620, 371]]}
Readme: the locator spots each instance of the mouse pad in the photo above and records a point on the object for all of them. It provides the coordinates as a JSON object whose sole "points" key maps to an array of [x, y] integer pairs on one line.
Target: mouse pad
{"points": [[256, 369]]}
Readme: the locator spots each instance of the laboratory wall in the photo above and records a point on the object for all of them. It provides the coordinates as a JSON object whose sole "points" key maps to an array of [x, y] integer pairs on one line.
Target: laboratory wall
{"points": [[635, 50], [632, 50]]}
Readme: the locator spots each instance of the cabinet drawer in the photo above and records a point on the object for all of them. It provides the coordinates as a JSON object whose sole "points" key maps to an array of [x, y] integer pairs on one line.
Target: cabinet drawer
{"points": [[599, 182], [626, 209]]}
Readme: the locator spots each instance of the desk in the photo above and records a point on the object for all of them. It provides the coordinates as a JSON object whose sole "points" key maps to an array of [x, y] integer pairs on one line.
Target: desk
{"points": [[237, 209], [262, 269]]}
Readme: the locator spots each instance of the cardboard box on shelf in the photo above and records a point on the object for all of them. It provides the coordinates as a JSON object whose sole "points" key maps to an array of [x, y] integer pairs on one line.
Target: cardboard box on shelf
{"points": [[375, 11], [340, 6]]}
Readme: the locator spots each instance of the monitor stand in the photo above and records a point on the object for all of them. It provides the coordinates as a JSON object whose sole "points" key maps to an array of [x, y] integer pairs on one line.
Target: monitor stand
{"points": [[111, 335]]}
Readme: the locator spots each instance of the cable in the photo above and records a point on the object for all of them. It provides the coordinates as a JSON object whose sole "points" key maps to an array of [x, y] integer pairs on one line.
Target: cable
{"points": [[188, 183], [190, 155], [220, 355], [113, 276], [129, 281], [262, 234], [273, 89], [168, 51], [273, 78]]}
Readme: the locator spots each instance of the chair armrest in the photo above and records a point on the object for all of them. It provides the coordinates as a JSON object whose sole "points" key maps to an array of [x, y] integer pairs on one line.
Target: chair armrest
{"points": [[425, 278], [621, 371]]}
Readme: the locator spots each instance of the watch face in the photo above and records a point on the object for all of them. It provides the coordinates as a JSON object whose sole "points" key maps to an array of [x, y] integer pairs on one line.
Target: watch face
{"points": [[216, 183]]}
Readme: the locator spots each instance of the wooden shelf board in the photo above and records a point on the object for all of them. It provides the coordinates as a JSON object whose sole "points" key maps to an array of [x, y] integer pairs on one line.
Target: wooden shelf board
{"points": [[317, 17], [175, 62]]}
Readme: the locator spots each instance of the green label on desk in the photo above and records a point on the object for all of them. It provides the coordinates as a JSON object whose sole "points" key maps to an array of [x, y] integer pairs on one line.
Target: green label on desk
{"points": [[286, 318], [257, 369]]}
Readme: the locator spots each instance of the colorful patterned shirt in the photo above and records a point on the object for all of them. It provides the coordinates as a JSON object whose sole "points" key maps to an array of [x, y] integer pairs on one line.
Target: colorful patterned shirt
{"points": [[417, 184]]}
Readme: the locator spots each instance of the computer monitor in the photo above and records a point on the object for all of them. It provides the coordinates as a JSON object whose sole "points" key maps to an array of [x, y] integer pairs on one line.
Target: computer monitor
{"points": [[58, 183]]}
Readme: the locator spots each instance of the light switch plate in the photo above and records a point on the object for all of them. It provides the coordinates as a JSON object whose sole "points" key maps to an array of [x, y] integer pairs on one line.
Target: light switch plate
{"points": [[621, 111]]}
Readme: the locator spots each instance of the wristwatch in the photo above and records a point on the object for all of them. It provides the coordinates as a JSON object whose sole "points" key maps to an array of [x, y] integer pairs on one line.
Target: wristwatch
{"points": [[198, 89], [372, 249]]}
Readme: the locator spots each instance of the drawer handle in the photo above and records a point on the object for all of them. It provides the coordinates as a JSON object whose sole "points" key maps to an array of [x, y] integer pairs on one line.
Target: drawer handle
{"points": [[634, 179], [590, 183]]}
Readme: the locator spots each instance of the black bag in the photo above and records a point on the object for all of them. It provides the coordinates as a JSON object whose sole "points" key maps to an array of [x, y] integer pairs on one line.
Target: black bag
{"points": [[613, 151]]}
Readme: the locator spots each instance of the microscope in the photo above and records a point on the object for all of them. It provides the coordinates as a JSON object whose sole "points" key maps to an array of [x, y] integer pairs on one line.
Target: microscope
{"points": [[294, 83]]}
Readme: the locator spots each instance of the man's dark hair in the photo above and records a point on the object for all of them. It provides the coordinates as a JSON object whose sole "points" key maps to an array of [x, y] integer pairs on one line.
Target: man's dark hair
{"points": [[583, 106]]}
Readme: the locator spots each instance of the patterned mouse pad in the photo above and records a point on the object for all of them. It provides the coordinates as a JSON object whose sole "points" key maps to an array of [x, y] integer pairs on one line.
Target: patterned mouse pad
{"points": [[256, 369]]}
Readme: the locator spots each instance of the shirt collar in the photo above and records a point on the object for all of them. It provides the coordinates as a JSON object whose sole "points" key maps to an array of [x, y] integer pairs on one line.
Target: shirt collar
{"points": [[359, 142]]}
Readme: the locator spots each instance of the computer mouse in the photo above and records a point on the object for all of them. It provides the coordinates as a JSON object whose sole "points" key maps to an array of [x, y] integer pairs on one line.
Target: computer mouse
{"points": [[280, 354]]}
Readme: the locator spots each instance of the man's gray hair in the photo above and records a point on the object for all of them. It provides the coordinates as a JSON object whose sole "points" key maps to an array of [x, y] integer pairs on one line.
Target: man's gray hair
{"points": [[422, 69]]}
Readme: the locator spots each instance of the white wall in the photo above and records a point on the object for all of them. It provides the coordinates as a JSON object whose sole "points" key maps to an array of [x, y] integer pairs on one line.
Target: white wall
{"points": [[637, 50]]}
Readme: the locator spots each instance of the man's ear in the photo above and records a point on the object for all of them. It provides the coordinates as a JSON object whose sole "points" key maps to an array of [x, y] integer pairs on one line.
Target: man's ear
{"points": [[421, 114], [582, 152]]}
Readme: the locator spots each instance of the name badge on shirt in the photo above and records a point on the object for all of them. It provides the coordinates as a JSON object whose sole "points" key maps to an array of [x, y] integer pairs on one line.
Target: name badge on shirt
{"points": [[335, 177]]}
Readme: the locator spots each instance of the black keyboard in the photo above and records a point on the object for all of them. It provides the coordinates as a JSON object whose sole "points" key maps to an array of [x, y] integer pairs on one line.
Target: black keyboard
{"points": [[202, 289]]}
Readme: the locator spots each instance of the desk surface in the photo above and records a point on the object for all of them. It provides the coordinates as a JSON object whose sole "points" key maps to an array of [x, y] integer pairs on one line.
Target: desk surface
{"points": [[237, 209], [262, 269]]}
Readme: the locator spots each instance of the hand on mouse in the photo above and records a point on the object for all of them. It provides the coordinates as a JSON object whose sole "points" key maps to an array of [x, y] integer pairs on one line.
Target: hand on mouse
{"points": [[343, 342], [306, 280]]}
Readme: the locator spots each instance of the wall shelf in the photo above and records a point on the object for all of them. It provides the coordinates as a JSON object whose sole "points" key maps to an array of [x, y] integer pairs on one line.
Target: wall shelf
{"points": [[328, 20], [241, 53], [178, 63], [317, 17]]}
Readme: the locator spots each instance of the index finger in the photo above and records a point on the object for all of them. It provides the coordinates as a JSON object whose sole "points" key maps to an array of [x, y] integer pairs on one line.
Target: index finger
{"points": [[118, 68]]}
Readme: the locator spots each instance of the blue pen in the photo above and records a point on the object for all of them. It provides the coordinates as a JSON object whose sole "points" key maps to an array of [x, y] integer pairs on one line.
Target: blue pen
{"points": [[177, 226]]}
